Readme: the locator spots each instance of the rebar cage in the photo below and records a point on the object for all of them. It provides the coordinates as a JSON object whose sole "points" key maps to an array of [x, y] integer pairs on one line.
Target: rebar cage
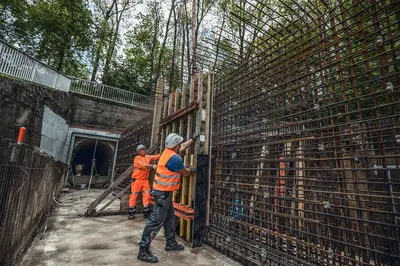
{"points": [[306, 140]]}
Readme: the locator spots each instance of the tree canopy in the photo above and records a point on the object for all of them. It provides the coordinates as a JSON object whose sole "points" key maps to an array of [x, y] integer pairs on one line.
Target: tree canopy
{"points": [[121, 43]]}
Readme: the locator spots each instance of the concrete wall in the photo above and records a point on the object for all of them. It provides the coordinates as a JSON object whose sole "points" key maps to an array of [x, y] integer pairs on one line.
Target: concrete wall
{"points": [[22, 105], [101, 114], [29, 183]]}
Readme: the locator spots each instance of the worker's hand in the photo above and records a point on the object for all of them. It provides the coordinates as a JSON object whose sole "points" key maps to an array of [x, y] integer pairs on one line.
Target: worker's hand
{"points": [[154, 167], [195, 136], [192, 169]]}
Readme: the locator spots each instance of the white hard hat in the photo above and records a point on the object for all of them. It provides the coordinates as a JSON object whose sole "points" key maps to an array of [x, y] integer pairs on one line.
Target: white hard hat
{"points": [[140, 147], [172, 140]]}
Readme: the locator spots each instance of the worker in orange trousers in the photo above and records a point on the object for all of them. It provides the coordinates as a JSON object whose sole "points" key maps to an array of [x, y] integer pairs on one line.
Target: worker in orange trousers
{"points": [[140, 180]]}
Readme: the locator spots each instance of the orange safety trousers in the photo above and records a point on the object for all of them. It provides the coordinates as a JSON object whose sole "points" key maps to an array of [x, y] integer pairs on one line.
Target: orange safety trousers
{"points": [[140, 186]]}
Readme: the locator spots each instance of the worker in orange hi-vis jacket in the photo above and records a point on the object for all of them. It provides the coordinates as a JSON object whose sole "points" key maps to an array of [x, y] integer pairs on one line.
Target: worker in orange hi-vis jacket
{"points": [[140, 180]]}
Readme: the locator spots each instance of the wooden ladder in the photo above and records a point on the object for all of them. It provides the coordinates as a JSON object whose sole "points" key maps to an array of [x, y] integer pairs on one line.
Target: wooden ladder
{"points": [[118, 188]]}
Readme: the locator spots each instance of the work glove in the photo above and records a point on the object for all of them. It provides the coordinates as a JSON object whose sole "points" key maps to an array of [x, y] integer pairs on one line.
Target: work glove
{"points": [[195, 136], [192, 169], [154, 167]]}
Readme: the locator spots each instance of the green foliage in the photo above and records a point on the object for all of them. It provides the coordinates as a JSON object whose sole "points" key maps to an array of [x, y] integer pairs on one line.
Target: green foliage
{"points": [[56, 32], [81, 37], [137, 69], [10, 11], [139, 45], [123, 76]]}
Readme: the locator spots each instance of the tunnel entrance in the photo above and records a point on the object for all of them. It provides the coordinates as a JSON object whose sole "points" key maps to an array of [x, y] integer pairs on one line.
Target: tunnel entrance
{"points": [[91, 156]]}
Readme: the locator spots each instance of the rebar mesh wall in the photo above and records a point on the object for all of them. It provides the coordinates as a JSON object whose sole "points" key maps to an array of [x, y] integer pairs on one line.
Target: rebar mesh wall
{"points": [[306, 142], [140, 133], [27, 187]]}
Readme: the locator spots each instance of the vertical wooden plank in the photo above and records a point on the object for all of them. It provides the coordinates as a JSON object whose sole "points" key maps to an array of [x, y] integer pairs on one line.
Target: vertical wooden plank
{"points": [[170, 104], [193, 161], [175, 108], [183, 102], [198, 113], [191, 186], [182, 225], [188, 136], [164, 131], [177, 95], [158, 105]]}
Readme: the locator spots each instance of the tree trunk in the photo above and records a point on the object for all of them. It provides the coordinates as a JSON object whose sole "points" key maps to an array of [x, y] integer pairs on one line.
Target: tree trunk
{"points": [[182, 30], [194, 36], [96, 60], [61, 61], [111, 47], [218, 41], [188, 45], [101, 41], [66, 47], [156, 28], [164, 42], [174, 58], [242, 31]]}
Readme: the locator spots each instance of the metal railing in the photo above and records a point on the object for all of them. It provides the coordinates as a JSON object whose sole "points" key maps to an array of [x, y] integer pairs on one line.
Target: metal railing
{"points": [[102, 91], [16, 63]]}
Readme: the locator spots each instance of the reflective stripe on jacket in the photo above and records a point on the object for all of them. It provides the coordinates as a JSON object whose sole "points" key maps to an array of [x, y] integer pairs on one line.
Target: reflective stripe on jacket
{"points": [[164, 179], [140, 171]]}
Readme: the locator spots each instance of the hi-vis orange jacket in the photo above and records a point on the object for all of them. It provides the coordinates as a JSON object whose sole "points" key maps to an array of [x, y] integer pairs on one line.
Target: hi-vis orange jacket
{"points": [[165, 180], [140, 171]]}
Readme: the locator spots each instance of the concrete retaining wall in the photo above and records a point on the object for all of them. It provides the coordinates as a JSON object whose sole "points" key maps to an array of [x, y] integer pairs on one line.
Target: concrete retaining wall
{"points": [[29, 182], [101, 114], [22, 105]]}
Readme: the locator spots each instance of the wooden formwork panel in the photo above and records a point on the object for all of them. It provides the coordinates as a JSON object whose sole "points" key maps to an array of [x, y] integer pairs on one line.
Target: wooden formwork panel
{"points": [[186, 113]]}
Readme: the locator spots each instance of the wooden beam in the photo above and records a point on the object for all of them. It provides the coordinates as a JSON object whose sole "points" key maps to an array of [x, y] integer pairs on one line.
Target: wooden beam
{"points": [[179, 114], [209, 137], [120, 194], [119, 180], [190, 197], [158, 105]]}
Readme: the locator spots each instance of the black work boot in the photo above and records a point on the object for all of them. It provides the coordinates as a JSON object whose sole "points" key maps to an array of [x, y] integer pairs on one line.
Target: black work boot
{"points": [[173, 245], [131, 214], [146, 256]]}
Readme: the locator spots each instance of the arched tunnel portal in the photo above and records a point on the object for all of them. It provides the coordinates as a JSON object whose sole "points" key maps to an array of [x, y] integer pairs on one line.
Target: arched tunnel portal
{"points": [[86, 150]]}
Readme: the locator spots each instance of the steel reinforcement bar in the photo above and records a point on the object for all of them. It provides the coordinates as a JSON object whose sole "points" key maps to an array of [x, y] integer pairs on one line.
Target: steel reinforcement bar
{"points": [[306, 138]]}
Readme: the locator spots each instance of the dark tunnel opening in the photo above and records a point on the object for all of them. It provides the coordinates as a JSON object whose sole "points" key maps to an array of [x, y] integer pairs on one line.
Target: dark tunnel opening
{"points": [[83, 154]]}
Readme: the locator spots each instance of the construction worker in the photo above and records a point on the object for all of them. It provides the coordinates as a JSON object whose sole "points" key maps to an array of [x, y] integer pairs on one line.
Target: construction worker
{"points": [[167, 179], [140, 180]]}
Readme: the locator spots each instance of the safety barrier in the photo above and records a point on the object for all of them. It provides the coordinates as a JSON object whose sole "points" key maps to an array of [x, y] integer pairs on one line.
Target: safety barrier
{"points": [[15, 63], [102, 91]]}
